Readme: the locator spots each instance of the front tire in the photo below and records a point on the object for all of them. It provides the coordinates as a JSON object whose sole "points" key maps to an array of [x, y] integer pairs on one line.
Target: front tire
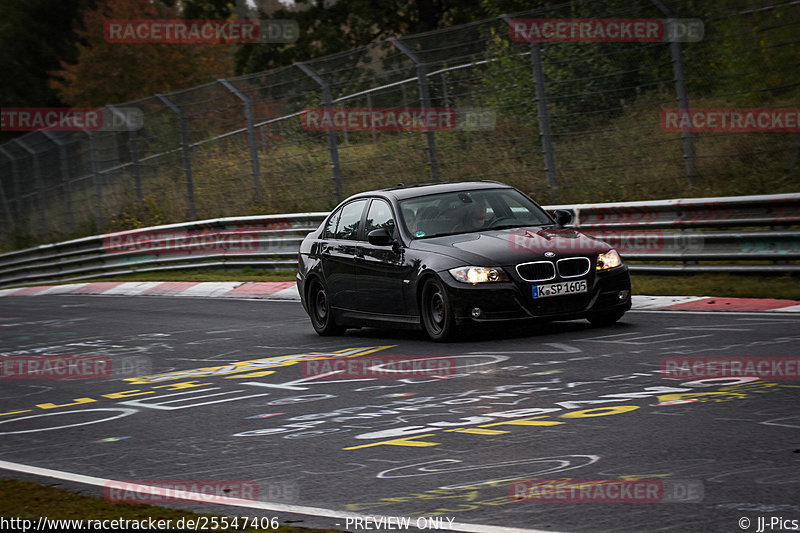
{"points": [[319, 310], [437, 314]]}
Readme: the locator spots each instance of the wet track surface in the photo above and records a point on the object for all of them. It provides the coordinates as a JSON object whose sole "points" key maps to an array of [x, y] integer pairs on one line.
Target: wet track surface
{"points": [[559, 401]]}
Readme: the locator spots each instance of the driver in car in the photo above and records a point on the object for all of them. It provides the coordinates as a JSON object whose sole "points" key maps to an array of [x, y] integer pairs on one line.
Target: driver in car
{"points": [[475, 217]]}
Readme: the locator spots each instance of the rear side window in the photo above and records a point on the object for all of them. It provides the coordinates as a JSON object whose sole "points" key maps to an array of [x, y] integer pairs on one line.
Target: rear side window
{"points": [[347, 227], [330, 228]]}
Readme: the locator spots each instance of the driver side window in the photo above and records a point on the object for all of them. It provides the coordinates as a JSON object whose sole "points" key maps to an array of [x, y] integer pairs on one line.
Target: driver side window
{"points": [[379, 216]]}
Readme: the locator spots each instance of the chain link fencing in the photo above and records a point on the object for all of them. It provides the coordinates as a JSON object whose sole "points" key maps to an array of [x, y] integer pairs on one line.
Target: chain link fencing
{"points": [[565, 122]]}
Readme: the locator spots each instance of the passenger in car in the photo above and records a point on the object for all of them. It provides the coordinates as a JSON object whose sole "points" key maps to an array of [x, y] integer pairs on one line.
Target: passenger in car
{"points": [[411, 223]]}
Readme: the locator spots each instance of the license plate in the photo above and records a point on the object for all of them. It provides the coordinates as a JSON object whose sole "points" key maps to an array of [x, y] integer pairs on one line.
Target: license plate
{"points": [[559, 289]]}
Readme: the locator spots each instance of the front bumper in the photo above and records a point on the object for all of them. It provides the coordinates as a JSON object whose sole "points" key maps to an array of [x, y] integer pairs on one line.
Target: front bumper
{"points": [[512, 300]]}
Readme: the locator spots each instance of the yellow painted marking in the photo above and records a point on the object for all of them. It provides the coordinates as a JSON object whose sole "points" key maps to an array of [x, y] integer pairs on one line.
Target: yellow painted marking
{"points": [[532, 421], [251, 375], [77, 401], [182, 385], [406, 441], [603, 411], [477, 431], [696, 395], [257, 365], [127, 394]]}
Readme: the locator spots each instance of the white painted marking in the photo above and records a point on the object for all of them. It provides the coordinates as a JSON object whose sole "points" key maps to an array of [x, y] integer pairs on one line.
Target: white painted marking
{"points": [[561, 349], [657, 302], [209, 289], [250, 504], [774, 422], [286, 294], [62, 289], [147, 400], [790, 309], [688, 312], [123, 412], [132, 288]]}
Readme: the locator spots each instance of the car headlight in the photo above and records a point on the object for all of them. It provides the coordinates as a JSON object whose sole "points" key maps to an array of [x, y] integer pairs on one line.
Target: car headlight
{"points": [[610, 259], [475, 274]]}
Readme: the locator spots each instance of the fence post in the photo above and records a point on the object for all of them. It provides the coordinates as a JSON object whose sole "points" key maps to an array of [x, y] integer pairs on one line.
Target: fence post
{"points": [[544, 118], [37, 177], [64, 169], [344, 130], [135, 165], [98, 191], [689, 155], [251, 137], [371, 125], [333, 149], [187, 153], [425, 98], [15, 177], [543, 113]]}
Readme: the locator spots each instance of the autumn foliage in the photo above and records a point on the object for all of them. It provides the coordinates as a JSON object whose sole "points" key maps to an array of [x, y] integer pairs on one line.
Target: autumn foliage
{"points": [[108, 73]]}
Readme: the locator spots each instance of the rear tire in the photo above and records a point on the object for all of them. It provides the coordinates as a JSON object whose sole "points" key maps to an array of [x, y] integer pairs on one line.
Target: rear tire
{"points": [[319, 310], [437, 314], [599, 320]]}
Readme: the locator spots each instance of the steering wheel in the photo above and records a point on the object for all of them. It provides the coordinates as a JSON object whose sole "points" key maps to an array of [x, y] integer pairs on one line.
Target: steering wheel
{"points": [[498, 219]]}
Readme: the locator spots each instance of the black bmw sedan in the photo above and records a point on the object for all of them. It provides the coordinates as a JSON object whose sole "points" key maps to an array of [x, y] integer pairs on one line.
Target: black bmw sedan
{"points": [[439, 257]]}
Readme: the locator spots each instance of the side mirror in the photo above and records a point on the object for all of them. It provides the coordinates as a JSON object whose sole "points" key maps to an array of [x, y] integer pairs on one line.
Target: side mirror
{"points": [[562, 216], [380, 237]]}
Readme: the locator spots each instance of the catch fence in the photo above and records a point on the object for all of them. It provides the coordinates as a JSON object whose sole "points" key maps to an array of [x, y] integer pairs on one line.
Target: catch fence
{"points": [[565, 122]]}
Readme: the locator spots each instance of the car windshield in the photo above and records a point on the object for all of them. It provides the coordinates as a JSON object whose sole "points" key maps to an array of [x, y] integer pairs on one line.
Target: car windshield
{"points": [[470, 211]]}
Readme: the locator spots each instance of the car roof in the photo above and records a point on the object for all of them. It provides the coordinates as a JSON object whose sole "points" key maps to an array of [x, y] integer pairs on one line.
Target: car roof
{"points": [[402, 192]]}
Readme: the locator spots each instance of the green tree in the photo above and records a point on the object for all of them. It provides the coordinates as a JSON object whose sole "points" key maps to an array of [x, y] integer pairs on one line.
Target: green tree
{"points": [[331, 27], [35, 35]]}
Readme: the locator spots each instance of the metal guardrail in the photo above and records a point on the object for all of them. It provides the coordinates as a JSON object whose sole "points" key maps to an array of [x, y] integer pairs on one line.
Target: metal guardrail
{"points": [[664, 236]]}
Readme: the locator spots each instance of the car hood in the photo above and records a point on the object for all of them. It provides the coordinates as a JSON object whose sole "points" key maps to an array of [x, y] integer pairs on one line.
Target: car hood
{"points": [[513, 246]]}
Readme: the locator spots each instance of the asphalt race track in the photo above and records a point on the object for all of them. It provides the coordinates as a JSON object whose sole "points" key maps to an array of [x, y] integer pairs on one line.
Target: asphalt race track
{"points": [[560, 401]]}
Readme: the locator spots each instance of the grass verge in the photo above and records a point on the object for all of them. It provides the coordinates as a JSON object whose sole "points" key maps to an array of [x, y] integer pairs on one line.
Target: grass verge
{"points": [[785, 287], [28, 500]]}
